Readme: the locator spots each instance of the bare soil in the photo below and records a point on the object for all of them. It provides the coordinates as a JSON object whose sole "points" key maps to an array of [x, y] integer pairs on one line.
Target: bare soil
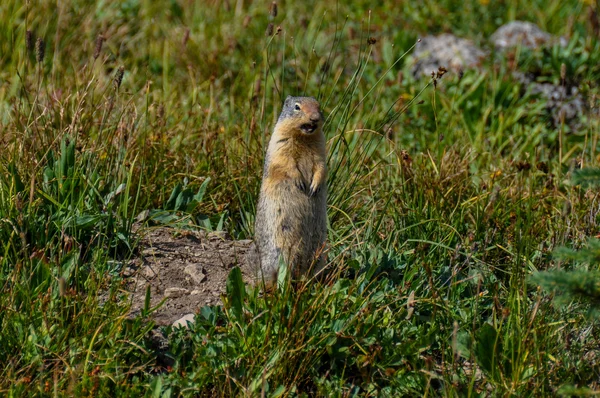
{"points": [[187, 269]]}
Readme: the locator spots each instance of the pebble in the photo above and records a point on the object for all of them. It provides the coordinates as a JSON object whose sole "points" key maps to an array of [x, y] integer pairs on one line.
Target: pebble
{"points": [[195, 272], [175, 292], [183, 321]]}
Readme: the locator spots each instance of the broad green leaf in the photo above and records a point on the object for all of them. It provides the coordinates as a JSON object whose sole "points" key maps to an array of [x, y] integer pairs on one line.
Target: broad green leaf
{"points": [[235, 292]]}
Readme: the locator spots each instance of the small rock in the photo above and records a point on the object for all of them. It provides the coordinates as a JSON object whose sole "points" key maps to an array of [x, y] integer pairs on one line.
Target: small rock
{"points": [[564, 103], [175, 292], [242, 243], [448, 51], [148, 272], [196, 273], [215, 235], [183, 321], [519, 33], [195, 292], [143, 216], [149, 252]]}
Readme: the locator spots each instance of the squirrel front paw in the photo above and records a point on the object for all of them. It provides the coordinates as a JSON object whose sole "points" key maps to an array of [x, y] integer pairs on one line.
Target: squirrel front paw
{"points": [[314, 189], [300, 184]]}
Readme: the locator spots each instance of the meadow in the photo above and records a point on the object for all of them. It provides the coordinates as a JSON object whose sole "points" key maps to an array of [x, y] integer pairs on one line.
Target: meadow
{"points": [[447, 195]]}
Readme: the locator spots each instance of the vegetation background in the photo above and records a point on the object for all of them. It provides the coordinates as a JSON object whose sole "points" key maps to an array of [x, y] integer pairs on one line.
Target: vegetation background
{"points": [[444, 198]]}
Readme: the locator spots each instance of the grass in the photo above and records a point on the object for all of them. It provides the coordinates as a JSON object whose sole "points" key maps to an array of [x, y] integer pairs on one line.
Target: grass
{"points": [[444, 198]]}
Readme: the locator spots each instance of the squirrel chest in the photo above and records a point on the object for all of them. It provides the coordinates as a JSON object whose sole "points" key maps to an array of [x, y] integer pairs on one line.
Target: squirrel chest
{"points": [[293, 163]]}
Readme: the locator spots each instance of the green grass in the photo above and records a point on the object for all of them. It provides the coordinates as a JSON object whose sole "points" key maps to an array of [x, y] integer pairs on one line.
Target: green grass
{"points": [[444, 199]]}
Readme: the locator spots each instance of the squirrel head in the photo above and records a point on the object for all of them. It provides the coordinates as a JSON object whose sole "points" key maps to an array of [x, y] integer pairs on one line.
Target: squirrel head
{"points": [[302, 114]]}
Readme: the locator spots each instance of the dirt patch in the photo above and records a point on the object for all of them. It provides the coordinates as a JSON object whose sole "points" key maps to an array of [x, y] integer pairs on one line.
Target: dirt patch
{"points": [[187, 269]]}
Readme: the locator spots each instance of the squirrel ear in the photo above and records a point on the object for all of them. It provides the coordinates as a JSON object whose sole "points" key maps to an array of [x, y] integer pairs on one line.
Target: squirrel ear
{"points": [[288, 98]]}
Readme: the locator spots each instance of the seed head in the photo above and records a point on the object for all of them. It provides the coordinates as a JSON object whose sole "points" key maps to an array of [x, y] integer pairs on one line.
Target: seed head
{"points": [[269, 31], [119, 77], [399, 77], [256, 89], [371, 41], [440, 72], [563, 71], [98, 48], [40, 50], [543, 167], [19, 204], [186, 36], [594, 20], [273, 10], [522, 165], [29, 44], [62, 287]]}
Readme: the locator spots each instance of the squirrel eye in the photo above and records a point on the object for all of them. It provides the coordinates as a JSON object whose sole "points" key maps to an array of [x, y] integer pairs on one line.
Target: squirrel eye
{"points": [[297, 107]]}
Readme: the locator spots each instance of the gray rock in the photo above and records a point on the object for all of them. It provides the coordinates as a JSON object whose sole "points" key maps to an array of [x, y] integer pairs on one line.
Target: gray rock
{"points": [[175, 292], [183, 321], [148, 272], [519, 33], [563, 104], [449, 51], [196, 273], [150, 252]]}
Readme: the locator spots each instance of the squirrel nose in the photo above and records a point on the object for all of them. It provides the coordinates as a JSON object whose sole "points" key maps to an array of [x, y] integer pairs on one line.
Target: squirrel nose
{"points": [[315, 118]]}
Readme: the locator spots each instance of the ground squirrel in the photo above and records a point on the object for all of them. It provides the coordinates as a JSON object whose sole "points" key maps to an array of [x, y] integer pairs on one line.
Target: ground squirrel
{"points": [[291, 217]]}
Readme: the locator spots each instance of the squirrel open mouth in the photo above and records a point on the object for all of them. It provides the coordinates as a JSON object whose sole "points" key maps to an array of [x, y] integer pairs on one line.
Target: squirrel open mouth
{"points": [[309, 128]]}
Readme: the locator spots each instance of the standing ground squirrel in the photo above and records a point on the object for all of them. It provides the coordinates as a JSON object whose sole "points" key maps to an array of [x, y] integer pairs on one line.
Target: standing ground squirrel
{"points": [[291, 217]]}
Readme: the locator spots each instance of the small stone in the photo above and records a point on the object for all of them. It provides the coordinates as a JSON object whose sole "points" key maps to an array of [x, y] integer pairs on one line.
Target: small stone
{"points": [[175, 292], [143, 216], [149, 252], [242, 243], [218, 235], [184, 321], [196, 273], [195, 292], [148, 272]]}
